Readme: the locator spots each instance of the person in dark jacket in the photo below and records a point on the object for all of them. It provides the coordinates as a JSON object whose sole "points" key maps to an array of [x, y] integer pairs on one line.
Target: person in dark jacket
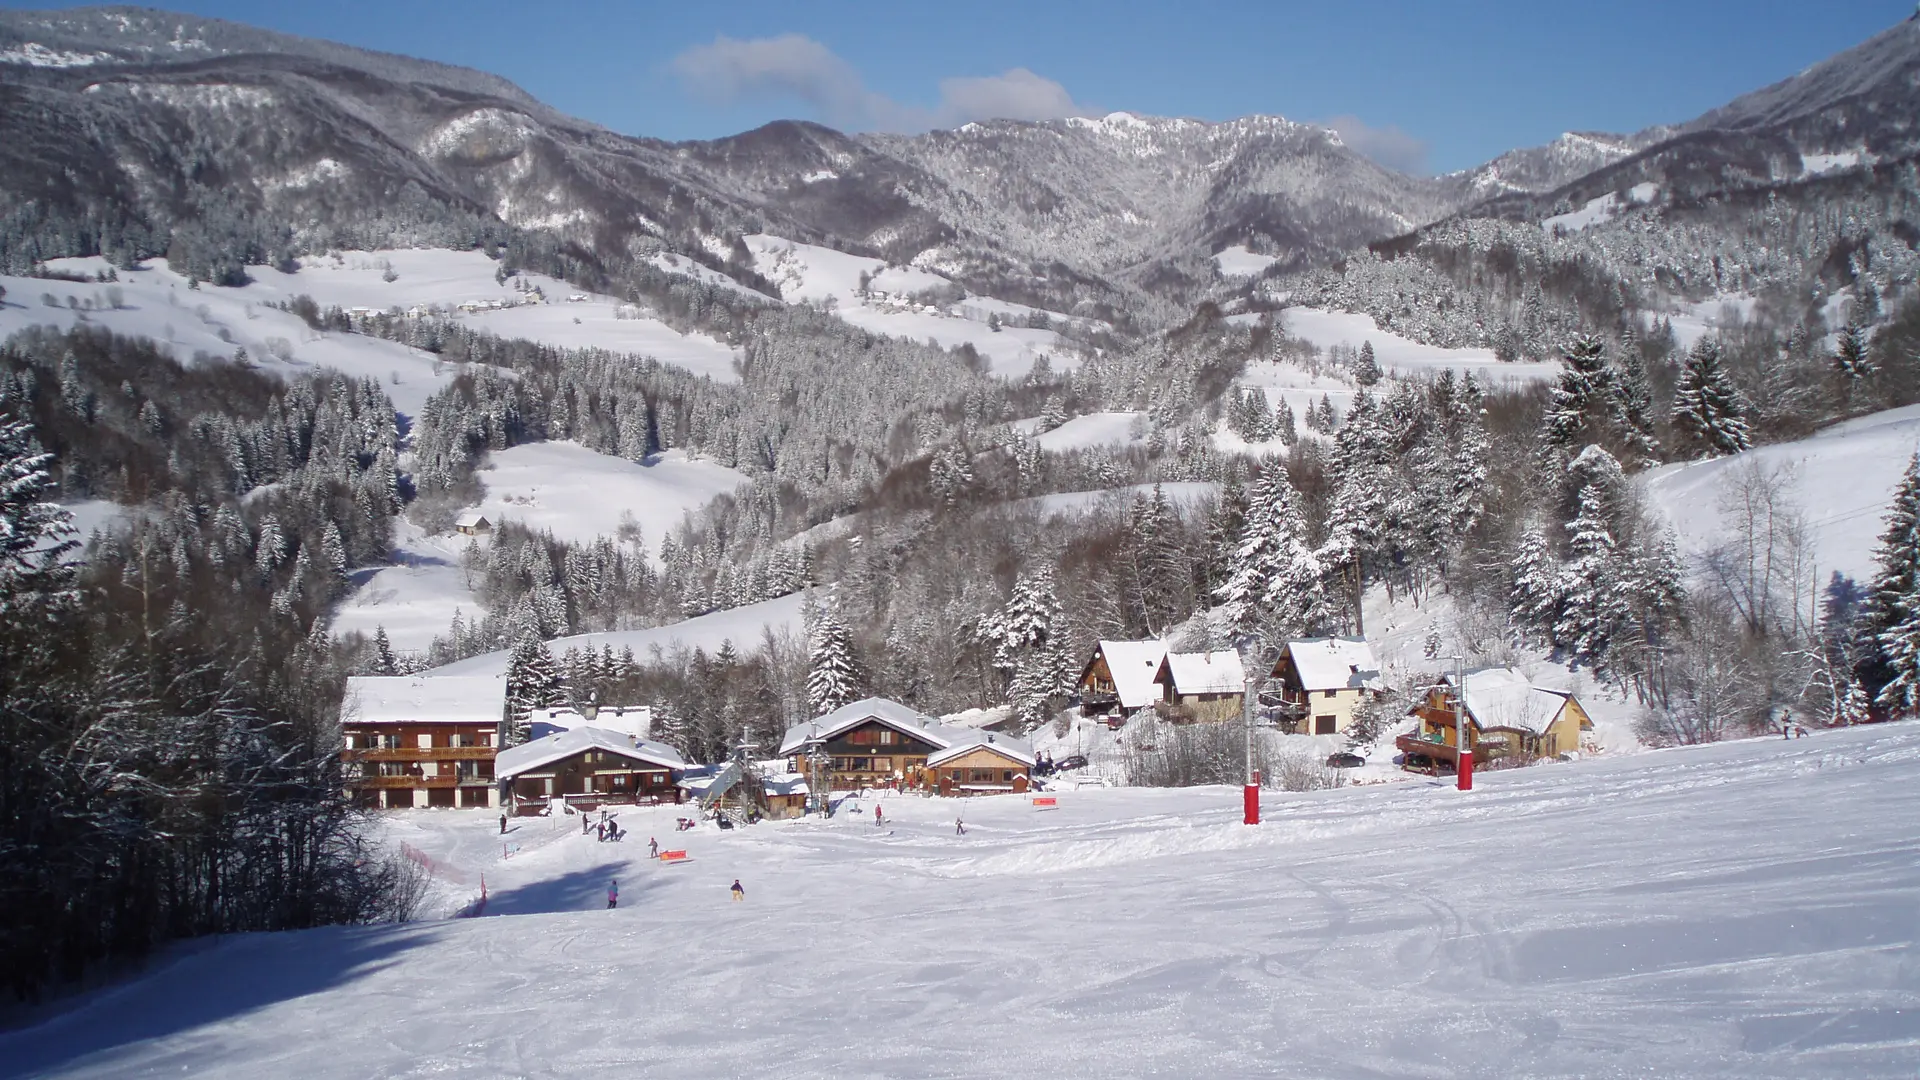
{"points": [[738, 892]]}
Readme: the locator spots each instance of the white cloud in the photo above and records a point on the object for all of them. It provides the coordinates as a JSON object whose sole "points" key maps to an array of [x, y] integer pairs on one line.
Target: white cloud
{"points": [[1387, 145], [797, 67]]}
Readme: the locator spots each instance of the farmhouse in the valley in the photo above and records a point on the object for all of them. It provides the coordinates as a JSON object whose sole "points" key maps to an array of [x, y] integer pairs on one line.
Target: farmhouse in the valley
{"points": [[1201, 686], [1118, 677], [589, 767], [472, 523], [880, 743], [1506, 716], [1323, 680], [422, 740]]}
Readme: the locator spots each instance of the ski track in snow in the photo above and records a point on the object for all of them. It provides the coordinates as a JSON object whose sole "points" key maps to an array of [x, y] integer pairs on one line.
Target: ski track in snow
{"points": [[1741, 910]]}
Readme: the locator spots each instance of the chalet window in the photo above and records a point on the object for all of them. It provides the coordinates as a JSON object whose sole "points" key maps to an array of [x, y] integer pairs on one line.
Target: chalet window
{"points": [[1327, 693], [883, 764], [1325, 725], [886, 737], [466, 770]]}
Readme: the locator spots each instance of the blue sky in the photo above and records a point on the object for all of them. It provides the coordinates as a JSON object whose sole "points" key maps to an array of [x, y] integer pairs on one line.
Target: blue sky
{"points": [[1425, 86]]}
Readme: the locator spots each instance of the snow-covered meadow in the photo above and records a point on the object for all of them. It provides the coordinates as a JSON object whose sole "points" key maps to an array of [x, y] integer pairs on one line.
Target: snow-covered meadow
{"points": [[1674, 913], [156, 303], [812, 274], [1842, 480]]}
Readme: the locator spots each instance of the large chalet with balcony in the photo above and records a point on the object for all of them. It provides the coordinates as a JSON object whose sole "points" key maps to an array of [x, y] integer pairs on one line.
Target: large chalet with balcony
{"points": [[420, 741], [878, 743]]}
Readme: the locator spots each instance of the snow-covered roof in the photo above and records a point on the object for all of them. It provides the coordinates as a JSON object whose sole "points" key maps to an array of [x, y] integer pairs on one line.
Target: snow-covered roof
{"points": [[564, 744], [469, 519], [635, 720], [774, 778], [424, 699], [1008, 745], [1133, 665], [1505, 698], [1206, 673], [1335, 664], [891, 713]]}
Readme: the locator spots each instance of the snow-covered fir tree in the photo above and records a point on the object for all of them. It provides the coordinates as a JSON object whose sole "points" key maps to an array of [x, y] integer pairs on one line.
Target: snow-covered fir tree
{"points": [[1890, 623], [1028, 635], [833, 671], [1708, 412], [533, 682], [1366, 370], [1276, 584]]}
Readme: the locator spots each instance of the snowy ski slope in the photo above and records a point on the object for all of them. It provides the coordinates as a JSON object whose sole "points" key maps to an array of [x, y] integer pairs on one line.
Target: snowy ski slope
{"points": [[1742, 910]]}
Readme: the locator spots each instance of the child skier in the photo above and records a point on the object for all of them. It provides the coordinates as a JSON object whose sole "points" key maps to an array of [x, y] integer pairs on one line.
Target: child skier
{"points": [[738, 892], [613, 895]]}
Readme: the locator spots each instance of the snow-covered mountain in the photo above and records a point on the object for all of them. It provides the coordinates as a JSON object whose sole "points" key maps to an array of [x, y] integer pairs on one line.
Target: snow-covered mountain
{"points": [[135, 132], [224, 145]]}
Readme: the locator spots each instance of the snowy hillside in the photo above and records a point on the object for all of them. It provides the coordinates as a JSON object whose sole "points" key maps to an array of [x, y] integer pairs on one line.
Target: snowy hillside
{"points": [[156, 303], [1402, 356], [903, 301], [1842, 479], [745, 626], [1552, 923], [580, 496], [415, 598]]}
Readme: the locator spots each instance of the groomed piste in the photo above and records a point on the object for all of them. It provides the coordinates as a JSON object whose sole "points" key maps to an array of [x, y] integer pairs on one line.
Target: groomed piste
{"points": [[1742, 910]]}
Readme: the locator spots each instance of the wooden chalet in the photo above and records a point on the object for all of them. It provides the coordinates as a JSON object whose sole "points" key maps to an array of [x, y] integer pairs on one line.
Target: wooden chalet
{"points": [[472, 523], [589, 767], [1201, 686], [1323, 681], [1118, 678], [990, 765], [1507, 717], [879, 743], [421, 741]]}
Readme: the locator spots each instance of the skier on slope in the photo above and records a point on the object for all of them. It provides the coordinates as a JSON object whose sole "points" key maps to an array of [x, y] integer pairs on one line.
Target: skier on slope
{"points": [[613, 895], [653, 847], [959, 827], [876, 817], [738, 892]]}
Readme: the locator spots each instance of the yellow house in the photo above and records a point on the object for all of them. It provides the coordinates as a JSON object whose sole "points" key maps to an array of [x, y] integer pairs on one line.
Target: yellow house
{"points": [[1506, 716], [1324, 680]]}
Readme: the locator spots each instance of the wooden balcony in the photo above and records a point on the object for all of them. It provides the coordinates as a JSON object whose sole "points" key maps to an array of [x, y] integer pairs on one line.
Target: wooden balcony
{"points": [[409, 782], [433, 753]]}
